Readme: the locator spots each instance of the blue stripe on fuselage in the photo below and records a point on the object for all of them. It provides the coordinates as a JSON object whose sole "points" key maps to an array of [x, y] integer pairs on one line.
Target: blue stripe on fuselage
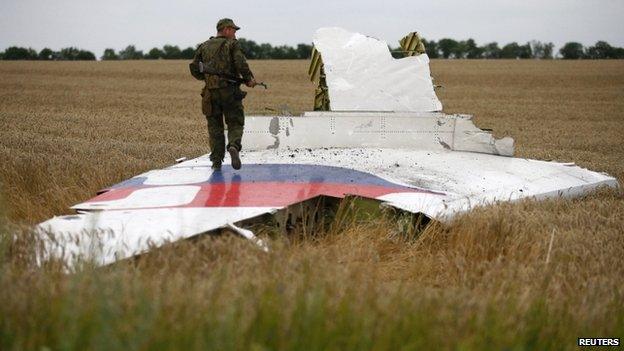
{"points": [[287, 173]]}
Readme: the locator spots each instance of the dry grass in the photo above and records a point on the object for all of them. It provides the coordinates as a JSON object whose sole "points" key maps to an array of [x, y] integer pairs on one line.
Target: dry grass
{"points": [[482, 283]]}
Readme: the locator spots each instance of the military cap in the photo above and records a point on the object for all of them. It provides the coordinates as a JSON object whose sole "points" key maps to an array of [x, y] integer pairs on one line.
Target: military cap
{"points": [[226, 22]]}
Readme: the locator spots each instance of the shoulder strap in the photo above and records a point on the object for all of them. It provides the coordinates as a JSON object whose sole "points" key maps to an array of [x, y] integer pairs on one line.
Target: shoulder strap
{"points": [[218, 50]]}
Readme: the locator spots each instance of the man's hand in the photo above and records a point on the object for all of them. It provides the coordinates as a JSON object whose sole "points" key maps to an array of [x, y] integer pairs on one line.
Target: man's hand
{"points": [[251, 83]]}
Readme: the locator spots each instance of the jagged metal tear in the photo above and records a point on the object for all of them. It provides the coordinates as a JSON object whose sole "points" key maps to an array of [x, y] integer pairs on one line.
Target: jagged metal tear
{"points": [[362, 75]]}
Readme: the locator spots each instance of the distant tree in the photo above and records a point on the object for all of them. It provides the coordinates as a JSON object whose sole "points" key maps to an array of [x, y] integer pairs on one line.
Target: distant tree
{"points": [[32, 54], [265, 51], [69, 54], [431, 47], [46, 54], [515, 51], [110, 54], [447, 47], [283, 52], [525, 51], [188, 53], [510, 50], [304, 51], [72, 54], [541, 50], [172, 52], [130, 53], [19, 53], [603, 50], [155, 54], [250, 48], [618, 53], [547, 54], [472, 51], [572, 51], [85, 55], [459, 51], [536, 49], [491, 51]]}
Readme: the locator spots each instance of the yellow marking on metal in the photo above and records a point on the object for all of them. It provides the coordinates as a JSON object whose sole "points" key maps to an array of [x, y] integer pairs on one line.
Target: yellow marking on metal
{"points": [[316, 62], [412, 44], [317, 73]]}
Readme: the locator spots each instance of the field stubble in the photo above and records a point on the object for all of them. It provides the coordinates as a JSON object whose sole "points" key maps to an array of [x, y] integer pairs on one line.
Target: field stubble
{"points": [[522, 275]]}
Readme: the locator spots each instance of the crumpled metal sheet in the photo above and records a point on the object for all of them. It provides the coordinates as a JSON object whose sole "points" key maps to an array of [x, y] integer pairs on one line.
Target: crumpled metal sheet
{"points": [[106, 236], [362, 75], [188, 199]]}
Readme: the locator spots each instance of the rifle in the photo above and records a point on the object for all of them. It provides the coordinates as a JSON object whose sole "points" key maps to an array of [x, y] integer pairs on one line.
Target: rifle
{"points": [[205, 69]]}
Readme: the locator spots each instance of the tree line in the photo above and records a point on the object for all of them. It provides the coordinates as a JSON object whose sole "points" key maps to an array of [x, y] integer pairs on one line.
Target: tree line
{"points": [[66, 54], [468, 49], [443, 48], [251, 48]]}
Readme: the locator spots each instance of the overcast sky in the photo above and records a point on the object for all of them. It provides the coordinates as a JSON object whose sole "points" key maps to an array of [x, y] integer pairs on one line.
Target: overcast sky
{"points": [[96, 25]]}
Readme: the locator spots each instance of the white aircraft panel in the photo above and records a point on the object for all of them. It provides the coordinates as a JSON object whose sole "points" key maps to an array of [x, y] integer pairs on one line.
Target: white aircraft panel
{"points": [[163, 196], [108, 236], [432, 131], [362, 75]]}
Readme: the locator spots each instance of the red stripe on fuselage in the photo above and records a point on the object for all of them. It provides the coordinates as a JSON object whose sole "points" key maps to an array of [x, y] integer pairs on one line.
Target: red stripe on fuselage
{"points": [[116, 194], [265, 194], [268, 194]]}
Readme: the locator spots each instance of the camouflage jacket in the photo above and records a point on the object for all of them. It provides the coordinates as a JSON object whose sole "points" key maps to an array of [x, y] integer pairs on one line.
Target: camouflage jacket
{"points": [[223, 55]]}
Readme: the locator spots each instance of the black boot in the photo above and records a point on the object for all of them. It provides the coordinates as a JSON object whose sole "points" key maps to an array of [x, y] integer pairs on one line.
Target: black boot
{"points": [[236, 162], [216, 165]]}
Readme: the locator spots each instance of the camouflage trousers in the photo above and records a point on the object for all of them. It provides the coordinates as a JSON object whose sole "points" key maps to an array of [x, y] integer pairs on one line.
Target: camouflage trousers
{"points": [[217, 104]]}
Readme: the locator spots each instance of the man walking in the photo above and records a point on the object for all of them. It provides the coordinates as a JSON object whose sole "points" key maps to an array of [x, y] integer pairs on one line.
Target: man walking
{"points": [[222, 60]]}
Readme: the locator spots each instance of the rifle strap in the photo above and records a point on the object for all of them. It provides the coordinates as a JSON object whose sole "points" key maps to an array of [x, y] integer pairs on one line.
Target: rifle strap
{"points": [[215, 54]]}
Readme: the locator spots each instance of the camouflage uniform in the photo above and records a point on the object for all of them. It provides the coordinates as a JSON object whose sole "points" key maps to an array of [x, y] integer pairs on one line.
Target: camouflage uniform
{"points": [[220, 97]]}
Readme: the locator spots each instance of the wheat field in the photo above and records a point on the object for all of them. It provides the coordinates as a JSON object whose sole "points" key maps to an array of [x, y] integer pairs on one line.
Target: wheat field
{"points": [[529, 275]]}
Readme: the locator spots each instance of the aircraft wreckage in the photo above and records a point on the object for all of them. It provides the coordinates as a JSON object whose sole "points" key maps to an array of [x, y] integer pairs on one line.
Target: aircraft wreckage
{"points": [[377, 133]]}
